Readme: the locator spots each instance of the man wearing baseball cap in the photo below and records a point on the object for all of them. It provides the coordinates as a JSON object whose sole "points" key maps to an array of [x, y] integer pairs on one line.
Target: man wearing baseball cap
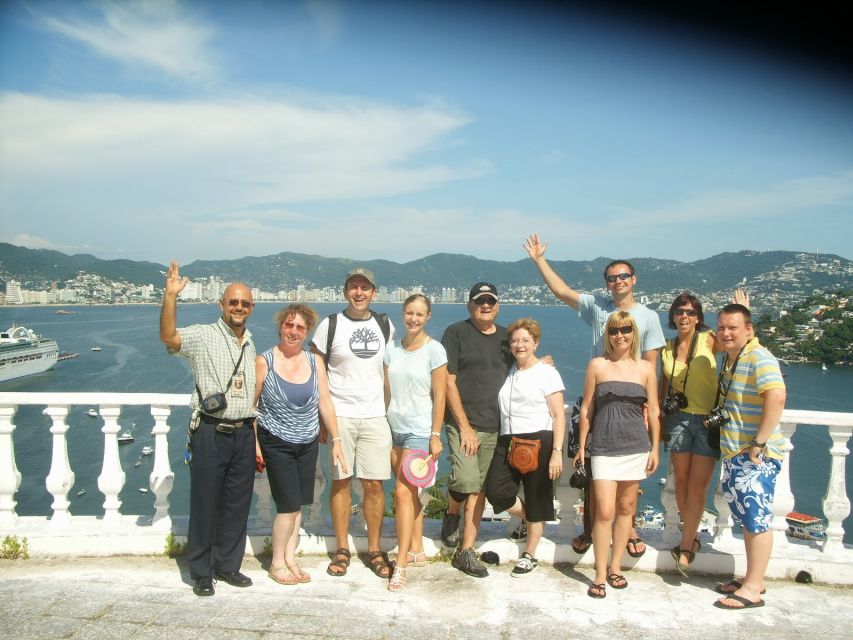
{"points": [[352, 344], [478, 359]]}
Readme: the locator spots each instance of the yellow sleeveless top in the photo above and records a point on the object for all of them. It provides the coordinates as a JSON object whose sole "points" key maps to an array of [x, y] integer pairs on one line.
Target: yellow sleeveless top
{"points": [[702, 381]]}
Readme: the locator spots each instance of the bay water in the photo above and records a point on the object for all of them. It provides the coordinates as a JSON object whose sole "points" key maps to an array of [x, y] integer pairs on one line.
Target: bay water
{"points": [[132, 359]]}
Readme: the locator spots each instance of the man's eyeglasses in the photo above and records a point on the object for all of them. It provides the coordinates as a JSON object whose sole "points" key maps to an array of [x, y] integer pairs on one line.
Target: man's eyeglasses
{"points": [[485, 300], [692, 313], [626, 330], [619, 276], [298, 328], [246, 304]]}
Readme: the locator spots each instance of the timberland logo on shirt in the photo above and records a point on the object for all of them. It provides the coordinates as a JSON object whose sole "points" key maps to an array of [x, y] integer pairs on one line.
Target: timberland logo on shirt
{"points": [[364, 343]]}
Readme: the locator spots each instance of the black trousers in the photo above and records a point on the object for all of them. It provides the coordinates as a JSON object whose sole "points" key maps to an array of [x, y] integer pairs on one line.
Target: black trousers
{"points": [[222, 476]]}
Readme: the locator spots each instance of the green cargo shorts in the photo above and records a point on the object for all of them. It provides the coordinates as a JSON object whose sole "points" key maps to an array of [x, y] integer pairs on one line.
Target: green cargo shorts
{"points": [[468, 474]]}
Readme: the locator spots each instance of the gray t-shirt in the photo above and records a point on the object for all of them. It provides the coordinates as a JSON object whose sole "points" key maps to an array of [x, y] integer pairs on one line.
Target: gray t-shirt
{"points": [[594, 309]]}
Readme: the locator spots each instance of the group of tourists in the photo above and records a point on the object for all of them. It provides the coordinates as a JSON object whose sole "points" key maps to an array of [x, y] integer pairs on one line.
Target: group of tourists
{"points": [[379, 400]]}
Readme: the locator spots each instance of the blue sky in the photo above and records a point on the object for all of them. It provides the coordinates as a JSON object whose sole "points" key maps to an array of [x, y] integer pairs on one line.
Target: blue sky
{"points": [[214, 130]]}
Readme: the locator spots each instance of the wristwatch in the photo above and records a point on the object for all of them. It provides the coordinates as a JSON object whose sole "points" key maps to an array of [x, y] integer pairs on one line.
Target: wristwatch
{"points": [[756, 443]]}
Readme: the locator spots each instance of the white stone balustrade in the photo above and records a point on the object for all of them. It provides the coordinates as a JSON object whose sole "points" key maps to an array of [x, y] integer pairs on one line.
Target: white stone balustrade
{"points": [[128, 529]]}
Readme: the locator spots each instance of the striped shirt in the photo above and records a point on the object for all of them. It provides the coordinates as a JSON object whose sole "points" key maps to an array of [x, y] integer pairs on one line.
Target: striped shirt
{"points": [[213, 351], [297, 424], [757, 372]]}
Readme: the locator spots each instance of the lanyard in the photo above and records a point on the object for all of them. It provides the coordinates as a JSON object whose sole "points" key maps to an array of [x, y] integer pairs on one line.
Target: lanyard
{"points": [[690, 353], [717, 403]]}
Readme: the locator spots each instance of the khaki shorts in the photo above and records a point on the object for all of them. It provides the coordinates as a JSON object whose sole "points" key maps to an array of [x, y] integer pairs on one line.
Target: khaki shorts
{"points": [[366, 443], [468, 474]]}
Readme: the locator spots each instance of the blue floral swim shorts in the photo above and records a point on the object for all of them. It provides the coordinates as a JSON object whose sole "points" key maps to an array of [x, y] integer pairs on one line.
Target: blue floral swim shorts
{"points": [[749, 489]]}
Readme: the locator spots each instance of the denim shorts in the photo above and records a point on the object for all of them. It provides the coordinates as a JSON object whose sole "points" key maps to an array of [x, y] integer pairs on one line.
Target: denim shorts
{"points": [[749, 489], [685, 433], [409, 441]]}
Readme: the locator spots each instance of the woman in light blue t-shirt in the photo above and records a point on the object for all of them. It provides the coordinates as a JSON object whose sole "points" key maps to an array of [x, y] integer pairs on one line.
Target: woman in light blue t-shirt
{"points": [[415, 387]]}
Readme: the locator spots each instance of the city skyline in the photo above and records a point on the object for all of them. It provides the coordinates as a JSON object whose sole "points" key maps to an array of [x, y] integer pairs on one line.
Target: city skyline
{"points": [[210, 130]]}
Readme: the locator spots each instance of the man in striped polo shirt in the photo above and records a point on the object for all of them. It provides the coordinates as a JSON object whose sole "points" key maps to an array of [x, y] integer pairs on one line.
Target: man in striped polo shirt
{"points": [[751, 397]]}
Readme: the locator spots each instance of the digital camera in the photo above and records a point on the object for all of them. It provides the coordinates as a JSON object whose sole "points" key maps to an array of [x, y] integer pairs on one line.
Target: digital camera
{"points": [[716, 419], [214, 403], [674, 402]]}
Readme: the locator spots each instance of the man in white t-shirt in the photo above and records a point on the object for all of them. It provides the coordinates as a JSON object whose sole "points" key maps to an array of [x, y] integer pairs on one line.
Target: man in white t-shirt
{"points": [[594, 309], [354, 361]]}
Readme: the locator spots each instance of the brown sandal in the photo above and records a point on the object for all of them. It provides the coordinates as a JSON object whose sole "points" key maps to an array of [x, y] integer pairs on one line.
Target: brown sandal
{"points": [[382, 569], [340, 560]]}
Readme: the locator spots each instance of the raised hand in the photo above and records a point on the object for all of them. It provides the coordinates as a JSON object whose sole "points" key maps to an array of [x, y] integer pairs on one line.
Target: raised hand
{"points": [[174, 282], [535, 247], [741, 297]]}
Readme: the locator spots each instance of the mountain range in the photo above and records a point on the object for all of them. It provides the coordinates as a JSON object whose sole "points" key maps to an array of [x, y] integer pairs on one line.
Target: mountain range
{"points": [[36, 268]]}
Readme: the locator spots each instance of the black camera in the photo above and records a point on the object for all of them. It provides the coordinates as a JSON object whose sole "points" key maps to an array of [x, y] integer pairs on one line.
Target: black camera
{"points": [[674, 402], [716, 419], [214, 403], [578, 479]]}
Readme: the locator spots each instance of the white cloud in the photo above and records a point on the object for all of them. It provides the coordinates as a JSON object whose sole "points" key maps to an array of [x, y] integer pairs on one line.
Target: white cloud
{"points": [[35, 242], [159, 34]]}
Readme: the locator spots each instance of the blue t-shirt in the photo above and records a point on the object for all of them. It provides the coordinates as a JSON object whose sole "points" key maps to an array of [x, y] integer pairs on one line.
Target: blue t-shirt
{"points": [[410, 378], [594, 309]]}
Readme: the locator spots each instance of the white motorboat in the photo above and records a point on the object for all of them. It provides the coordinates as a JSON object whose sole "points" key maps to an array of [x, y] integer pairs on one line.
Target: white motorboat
{"points": [[126, 437], [147, 450]]}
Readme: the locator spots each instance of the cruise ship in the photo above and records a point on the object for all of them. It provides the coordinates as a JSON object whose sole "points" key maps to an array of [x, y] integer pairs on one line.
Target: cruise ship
{"points": [[23, 352]]}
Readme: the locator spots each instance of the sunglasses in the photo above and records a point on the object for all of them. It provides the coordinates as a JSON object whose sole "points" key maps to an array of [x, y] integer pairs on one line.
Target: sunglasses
{"points": [[691, 313], [292, 326], [246, 304], [485, 300], [626, 330], [619, 276]]}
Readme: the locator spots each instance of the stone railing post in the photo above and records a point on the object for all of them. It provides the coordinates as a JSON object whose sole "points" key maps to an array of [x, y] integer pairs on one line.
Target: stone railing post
{"points": [[111, 480], [566, 496], [314, 520], [672, 518], [10, 477], [783, 499], [264, 505], [162, 477], [724, 521], [61, 478], [836, 504]]}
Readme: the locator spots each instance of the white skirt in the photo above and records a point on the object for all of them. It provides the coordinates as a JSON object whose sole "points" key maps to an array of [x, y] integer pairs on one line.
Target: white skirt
{"points": [[630, 467]]}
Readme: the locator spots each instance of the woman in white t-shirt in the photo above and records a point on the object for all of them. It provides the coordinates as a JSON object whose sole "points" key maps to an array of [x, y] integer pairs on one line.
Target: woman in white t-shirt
{"points": [[531, 403], [415, 388]]}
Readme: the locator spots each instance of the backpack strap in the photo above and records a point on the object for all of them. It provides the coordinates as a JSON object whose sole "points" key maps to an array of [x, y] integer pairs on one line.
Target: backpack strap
{"points": [[384, 324], [381, 319]]}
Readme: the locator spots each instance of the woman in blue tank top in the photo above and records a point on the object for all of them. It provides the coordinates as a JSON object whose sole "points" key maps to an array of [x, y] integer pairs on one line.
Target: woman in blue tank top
{"points": [[291, 394]]}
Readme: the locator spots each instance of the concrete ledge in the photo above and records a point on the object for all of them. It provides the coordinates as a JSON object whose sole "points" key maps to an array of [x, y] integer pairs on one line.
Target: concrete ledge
{"points": [[136, 535]]}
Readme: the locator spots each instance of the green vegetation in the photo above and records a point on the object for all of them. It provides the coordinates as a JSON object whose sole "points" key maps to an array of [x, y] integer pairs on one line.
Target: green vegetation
{"points": [[173, 548], [436, 507], [820, 329], [13, 549]]}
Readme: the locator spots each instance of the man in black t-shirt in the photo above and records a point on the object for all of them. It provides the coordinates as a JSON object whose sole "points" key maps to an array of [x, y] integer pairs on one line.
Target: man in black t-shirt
{"points": [[478, 359]]}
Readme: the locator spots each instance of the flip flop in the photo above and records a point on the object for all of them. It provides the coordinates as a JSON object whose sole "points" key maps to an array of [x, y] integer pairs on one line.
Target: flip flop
{"points": [[298, 573], [635, 542], [746, 604], [617, 581], [582, 548], [290, 580], [596, 591], [735, 585], [340, 559]]}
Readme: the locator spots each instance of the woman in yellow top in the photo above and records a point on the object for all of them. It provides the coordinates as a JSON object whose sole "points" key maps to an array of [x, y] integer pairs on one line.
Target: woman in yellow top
{"points": [[688, 392]]}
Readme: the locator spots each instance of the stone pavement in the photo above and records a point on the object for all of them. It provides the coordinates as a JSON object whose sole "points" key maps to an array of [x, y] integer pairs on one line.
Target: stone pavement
{"points": [[151, 597]]}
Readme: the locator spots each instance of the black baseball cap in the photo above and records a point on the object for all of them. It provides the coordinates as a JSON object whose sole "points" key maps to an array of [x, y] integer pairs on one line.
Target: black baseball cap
{"points": [[483, 289]]}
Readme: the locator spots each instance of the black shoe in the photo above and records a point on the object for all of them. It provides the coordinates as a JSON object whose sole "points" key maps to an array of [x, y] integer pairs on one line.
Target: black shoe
{"points": [[467, 562], [450, 530], [235, 579], [203, 587]]}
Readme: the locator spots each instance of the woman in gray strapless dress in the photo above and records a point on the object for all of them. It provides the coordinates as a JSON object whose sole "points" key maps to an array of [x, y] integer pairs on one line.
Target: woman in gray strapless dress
{"points": [[621, 405]]}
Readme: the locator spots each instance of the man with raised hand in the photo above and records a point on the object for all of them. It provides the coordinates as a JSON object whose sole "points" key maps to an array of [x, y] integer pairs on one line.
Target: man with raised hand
{"points": [[751, 398], [221, 449], [594, 309], [478, 359], [352, 345]]}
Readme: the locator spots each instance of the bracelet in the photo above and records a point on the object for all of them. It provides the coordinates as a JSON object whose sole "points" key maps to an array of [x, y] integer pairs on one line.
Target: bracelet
{"points": [[437, 434], [336, 439], [756, 443]]}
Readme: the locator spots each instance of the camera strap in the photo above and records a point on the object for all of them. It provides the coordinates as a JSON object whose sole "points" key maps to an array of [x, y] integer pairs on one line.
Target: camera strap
{"points": [[233, 373], [718, 402], [691, 352]]}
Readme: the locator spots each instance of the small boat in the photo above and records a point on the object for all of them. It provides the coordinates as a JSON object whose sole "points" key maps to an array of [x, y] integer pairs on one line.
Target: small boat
{"points": [[147, 450], [662, 481], [823, 366], [126, 437], [138, 462], [649, 518], [143, 489], [95, 349], [81, 492], [64, 312], [92, 413], [805, 526]]}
